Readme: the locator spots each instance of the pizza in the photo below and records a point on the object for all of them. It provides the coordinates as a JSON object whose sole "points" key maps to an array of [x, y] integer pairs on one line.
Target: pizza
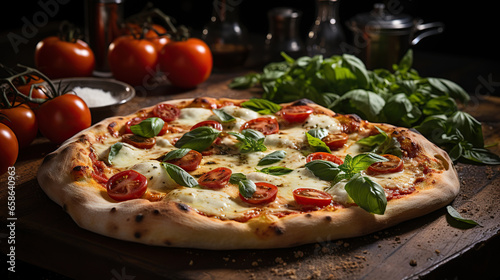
{"points": [[245, 174]]}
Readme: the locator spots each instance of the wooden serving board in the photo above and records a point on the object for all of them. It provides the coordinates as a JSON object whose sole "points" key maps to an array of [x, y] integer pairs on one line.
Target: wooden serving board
{"points": [[426, 247]]}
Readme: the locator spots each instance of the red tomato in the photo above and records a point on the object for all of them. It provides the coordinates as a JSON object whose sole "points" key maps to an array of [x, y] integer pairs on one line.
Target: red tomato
{"points": [[324, 156], [9, 148], [186, 63], [265, 125], [313, 197], [335, 141], [126, 185], [132, 60], [139, 141], [138, 120], [189, 162], [266, 193], [24, 86], [155, 37], [166, 112], [213, 124], [60, 59], [393, 165], [215, 179], [22, 121], [62, 117], [296, 114]]}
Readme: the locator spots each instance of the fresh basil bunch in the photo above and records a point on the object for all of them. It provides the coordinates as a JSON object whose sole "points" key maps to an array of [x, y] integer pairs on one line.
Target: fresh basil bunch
{"points": [[401, 97]]}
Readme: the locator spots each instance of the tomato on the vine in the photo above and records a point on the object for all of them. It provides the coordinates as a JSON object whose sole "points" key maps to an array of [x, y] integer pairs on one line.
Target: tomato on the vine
{"points": [[62, 117], [24, 85], [9, 148], [186, 63], [132, 60], [22, 121], [57, 58]]}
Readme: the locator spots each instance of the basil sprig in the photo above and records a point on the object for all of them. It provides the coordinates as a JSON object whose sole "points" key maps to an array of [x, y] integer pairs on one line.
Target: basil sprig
{"points": [[113, 151], [179, 175], [366, 193], [275, 170], [271, 158], [261, 106], [223, 116], [148, 128], [382, 144], [250, 140], [198, 139]]}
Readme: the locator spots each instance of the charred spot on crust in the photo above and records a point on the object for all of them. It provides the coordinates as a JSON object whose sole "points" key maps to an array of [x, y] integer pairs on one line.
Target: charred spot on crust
{"points": [[65, 207], [156, 212], [137, 235], [112, 124], [167, 242], [328, 218], [308, 215], [302, 102], [277, 229], [79, 168], [183, 207], [113, 210], [139, 218]]}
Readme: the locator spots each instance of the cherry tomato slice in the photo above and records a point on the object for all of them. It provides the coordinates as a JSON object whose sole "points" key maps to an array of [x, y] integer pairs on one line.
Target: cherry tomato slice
{"points": [[265, 125], [314, 197], [189, 162], [394, 165], [139, 141], [324, 156], [296, 114], [138, 120], [264, 194], [215, 179], [335, 141], [126, 185], [213, 124], [166, 112]]}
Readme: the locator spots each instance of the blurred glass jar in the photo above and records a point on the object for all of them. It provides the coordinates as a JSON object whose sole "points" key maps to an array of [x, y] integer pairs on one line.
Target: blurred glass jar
{"points": [[226, 36], [326, 36], [284, 34]]}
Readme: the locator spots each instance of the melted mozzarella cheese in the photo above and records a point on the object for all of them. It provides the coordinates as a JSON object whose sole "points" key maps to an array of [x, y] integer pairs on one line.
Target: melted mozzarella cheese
{"points": [[158, 178], [191, 116]]}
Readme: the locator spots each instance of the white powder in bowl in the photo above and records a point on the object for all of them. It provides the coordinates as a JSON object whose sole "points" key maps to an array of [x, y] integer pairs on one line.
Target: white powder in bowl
{"points": [[95, 97]]}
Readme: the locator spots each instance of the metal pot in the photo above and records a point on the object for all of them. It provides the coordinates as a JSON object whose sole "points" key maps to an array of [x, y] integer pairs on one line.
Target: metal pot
{"points": [[384, 38]]}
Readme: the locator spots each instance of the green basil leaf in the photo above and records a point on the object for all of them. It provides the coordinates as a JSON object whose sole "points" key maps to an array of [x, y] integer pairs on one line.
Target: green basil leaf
{"points": [[247, 188], [179, 175], [198, 139], [113, 151], [449, 88], [245, 82], [175, 154], [237, 177], [367, 194], [374, 140], [261, 106], [319, 133], [325, 170], [250, 141], [317, 144], [148, 128], [275, 170], [271, 158], [253, 134], [480, 155], [363, 161], [459, 221], [469, 127], [223, 116]]}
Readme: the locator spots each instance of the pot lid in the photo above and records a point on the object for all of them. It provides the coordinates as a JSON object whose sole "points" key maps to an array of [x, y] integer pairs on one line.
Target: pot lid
{"points": [[379, 19]]}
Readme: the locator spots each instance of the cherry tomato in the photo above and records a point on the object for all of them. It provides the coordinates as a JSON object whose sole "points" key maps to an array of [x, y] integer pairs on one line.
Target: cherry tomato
{"points": [[186, 63], [22, 121], [215, 179], [62, 117], [265, 125], [349, 123], [324, 156], [166, 112], [132, 60], [126, 185], [60, 59], [213, 124], [393, 165], [313, 197], [139, 141], [138, 120], [335, 141], [189, 162], [24, 86], [9, 148], [265, 193], [296, 114], [155, 36]]}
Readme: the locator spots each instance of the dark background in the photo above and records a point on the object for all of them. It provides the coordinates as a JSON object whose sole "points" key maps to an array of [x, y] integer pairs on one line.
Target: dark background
{"points": [[471, 28]]}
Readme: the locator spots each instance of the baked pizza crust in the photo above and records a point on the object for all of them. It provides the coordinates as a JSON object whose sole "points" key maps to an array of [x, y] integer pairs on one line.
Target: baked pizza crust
{"points": [[173, 224]]}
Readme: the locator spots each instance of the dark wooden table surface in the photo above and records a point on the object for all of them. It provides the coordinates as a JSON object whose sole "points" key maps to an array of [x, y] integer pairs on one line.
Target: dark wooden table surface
{"points": [[49, 245]]}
